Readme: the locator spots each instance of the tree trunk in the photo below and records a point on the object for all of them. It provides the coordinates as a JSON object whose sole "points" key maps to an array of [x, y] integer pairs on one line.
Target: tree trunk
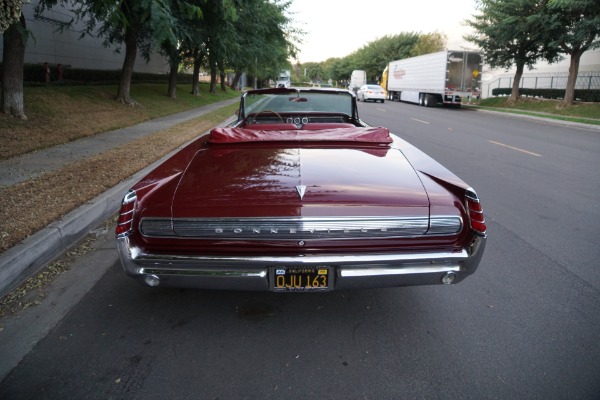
{"points": [[222, 75], [514, 95], [131, 39], [13, 56], [236, 80], [197, 62], [213, 78], [223, 83], [573, 72], [172, 91]]}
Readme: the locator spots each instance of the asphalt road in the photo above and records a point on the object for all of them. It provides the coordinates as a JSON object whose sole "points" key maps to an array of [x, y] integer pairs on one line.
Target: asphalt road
{"points": [[526, 325]]}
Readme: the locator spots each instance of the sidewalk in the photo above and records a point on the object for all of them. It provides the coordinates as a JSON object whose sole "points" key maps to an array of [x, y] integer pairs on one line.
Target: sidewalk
{"points": [[23, 260], [22, 168]]}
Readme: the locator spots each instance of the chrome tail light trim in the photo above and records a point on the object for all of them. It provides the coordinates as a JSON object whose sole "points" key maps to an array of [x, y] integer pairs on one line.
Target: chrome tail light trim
{"points": [[125, 219]]}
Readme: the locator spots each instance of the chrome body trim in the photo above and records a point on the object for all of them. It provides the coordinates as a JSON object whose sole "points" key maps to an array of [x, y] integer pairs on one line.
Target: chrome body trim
{"points": [[301, 189], [328, 228], [363, 270]]}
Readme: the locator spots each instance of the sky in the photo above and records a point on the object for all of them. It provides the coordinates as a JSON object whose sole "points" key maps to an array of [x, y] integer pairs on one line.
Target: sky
{"points": [[336, 28]]}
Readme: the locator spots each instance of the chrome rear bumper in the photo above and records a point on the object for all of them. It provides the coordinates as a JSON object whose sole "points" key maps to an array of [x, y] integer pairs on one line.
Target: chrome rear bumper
{"points": [[352, 271]]}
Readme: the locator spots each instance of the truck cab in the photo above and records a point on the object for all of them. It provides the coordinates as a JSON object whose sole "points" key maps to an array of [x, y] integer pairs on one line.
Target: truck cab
{"points": [[284, 79]]}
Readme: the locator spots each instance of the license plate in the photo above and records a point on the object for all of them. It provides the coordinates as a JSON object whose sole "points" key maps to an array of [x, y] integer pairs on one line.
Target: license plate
{"points": [[300, 279]]}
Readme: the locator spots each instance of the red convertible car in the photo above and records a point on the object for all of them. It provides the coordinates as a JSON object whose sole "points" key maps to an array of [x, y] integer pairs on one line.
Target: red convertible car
{"points": [[299, 194]]}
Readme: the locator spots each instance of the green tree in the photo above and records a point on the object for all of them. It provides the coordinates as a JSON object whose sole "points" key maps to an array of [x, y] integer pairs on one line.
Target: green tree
{"points": [[12, 25], [513, 32], [193, 38], [264, 39], [575, 27], [218, 37], [138, 24], [429, 43], [375, 55], [187, 19], [173, 53], [336, 69], [313, 71], [330, 69], [11, 13]]}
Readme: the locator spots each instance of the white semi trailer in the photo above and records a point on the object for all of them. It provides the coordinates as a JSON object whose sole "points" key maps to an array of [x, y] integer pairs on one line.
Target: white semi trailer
{"points": [[437, 78], [357, 79]]}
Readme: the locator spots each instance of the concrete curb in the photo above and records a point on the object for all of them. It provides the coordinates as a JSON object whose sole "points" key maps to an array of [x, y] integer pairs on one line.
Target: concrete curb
{"points": [[28, 257]]}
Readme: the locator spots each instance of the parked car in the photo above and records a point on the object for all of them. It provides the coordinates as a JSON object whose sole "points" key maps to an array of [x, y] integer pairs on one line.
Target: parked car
{"points": [[371, 92], [299, 194]]}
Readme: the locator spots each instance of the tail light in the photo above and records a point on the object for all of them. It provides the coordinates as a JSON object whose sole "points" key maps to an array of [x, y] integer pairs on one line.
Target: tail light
{"points": [[125, 221], [475, 212]]}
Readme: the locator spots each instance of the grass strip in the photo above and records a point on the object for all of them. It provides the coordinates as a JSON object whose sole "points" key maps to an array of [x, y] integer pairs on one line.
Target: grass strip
{"points": [[32, 205], [588, 121]]}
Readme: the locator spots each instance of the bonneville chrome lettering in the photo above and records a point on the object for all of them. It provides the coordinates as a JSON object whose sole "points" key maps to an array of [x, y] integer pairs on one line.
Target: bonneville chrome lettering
{"points": [[262, 230]]}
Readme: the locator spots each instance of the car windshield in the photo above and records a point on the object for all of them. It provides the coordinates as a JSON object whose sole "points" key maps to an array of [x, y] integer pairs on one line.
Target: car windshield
{"points": [[298, 102], [374, 87]]}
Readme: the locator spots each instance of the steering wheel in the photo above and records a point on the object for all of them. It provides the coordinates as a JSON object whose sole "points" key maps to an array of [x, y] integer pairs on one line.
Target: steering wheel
{"points": [[268, 112]]}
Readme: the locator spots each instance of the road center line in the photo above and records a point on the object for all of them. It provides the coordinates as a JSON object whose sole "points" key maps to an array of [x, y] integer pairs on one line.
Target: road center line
{"points": [[516, 148], [418, 120]]}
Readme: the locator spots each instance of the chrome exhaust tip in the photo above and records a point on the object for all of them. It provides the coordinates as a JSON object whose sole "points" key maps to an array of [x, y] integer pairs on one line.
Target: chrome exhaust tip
{"points": [[152, 280], [448, 278]]}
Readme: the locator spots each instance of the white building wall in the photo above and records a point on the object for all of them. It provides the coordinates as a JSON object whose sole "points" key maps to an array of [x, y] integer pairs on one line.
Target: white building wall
{"points": [[69, 49], [545, 75]]}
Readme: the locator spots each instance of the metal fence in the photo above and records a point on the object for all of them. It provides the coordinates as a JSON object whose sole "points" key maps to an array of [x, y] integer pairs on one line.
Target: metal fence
{"points": [[585, 80]]}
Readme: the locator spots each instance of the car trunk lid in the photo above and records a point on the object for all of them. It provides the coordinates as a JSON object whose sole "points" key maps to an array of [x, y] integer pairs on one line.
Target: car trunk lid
{"points": [[306, 181]]}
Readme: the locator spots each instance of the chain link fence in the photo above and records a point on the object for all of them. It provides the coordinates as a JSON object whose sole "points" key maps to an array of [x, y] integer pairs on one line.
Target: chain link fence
{"points": [[556, 80]]}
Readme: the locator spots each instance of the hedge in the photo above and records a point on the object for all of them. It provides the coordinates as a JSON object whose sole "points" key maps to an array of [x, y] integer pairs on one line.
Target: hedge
{"points": [[590, 95]]}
